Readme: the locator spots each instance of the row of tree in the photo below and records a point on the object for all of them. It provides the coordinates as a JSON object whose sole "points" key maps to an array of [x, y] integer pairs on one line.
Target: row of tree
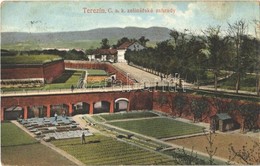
{"points": [[192, 55]]}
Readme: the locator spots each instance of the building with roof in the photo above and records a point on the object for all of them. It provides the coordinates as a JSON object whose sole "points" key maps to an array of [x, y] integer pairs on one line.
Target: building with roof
{"points": [[103, 55], [133, 46], [222, 122]]}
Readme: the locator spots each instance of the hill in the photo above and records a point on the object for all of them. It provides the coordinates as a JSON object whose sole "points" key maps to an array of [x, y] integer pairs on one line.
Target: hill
{"points": [[152, 33]]}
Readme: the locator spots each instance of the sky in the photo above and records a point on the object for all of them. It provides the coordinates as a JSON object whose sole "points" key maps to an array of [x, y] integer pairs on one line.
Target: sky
{"points": [[56, 16]]}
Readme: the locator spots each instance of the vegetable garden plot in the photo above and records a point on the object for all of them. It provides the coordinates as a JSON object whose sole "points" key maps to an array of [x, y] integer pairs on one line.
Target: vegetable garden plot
{"points": [[100, 150]]}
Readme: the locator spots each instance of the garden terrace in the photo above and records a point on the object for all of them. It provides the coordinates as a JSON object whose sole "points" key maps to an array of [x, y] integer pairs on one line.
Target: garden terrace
{"points": [[30, 59], [159, 127], [101, 150]]}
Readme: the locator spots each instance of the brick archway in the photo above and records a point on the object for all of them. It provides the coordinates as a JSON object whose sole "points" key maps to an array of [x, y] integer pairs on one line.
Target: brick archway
{"points": [[101, 107], [121, 104], [37, 111], [14, 112], [81, 108]]}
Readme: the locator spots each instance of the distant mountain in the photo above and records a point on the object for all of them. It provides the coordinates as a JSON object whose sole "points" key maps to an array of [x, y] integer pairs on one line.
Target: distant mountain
{"points": [[152, 33]]}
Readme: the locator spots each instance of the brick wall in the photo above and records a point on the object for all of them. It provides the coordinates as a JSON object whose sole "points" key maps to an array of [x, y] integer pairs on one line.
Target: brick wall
{"points": [[103, 66], [48, 71], [53, 70]]}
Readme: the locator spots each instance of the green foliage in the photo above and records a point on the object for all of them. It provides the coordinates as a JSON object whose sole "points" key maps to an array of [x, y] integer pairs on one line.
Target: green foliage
{"points": [[11, 135], [179, 103], [105, 44], [248, 82], [182, 157], [101, 150], [30, 59], [250, 113], [199, 106], [159, 127]]}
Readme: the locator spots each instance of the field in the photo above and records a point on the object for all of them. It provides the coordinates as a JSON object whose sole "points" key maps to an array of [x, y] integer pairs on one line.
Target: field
{"points": [[31, 59], [159, 127], [221, 141], [101, 150], [128, 115], [18, 148]]}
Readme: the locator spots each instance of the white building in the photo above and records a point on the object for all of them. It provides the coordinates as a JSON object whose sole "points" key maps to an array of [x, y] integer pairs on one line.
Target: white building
{"points": [[133, 46]]}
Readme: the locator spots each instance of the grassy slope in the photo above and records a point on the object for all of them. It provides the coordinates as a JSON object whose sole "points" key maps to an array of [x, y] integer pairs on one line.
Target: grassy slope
{"points": [[159, 127], [30, 59], [12, 135], [18, 148]]}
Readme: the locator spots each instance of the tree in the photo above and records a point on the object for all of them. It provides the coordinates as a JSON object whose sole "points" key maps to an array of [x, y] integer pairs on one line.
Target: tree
{"points": [[247, 155], [198, 107], [211, 150], [175, 34], [237, 31], [121, 41], [215, 48], [250, 113], [105, 44], [143, 40], [179, 103]]}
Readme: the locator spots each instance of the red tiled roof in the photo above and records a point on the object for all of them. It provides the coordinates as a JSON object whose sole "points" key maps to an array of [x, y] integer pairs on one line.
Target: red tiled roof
{"points": [[125, 45], [106, 51]]}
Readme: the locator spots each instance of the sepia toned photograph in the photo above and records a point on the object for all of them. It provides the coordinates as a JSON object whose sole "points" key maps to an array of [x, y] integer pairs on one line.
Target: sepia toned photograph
{"points": [[113, 82]]}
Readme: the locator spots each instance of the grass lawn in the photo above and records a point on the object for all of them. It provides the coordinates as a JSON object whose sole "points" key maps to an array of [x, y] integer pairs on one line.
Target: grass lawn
{"points": [[159, 127], [12, 135], [68, 78], [30, 59], [18, 148], [248, 83], [101, 150], [128, 115], [96, 72], [221, 141]]}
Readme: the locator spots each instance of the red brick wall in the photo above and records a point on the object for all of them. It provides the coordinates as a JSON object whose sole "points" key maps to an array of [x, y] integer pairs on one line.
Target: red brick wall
{"points": [[22, 72], [139, 100], [170, 109], [48, 71], [36, 100], [104, 66], [53, 70]]}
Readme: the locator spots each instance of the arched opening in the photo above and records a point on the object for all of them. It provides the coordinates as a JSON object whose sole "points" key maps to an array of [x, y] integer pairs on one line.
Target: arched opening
{"points": [[121, 104], [60, 109], [14, 112], [80, 108], [37, 111], [101, 107]]}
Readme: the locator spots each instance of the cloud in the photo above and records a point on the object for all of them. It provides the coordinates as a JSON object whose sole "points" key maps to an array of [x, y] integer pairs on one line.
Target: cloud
{"points": [[218, 10]]}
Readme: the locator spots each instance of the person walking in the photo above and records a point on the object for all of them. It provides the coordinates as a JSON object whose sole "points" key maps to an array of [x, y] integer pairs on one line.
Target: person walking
{"points": [[72, 88], [83, 138], [56, 116]]}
